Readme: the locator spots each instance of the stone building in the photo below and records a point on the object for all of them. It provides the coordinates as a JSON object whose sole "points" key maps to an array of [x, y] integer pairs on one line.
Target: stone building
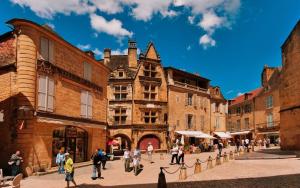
{"points": [[188, 103], [52, 95], [241, 116], [137, 94], [290, 91], [255, 114], [267, 105], [219, 110]]}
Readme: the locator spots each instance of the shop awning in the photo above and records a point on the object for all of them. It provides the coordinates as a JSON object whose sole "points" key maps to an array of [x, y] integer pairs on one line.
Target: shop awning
{"points": [[205, 136], [196, 134], [274, 132], [223, 135], [190, 133], [240, 133]]}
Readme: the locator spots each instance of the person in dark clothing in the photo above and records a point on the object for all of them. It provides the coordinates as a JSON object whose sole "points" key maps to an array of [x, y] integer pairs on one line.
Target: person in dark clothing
{"points": [[15, 162], [103, 158], [220, 147], [96, 158]]}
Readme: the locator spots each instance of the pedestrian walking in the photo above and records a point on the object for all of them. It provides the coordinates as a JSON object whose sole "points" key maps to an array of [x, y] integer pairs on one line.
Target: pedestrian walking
{"points": [[127, 159], [181, 154], [238, 143], [247, 144], [220, 147], [103, 158], [136, 160], [150, 152], [265, 143], [96, 165], [174, 152], [15, 163], [60, 161], [69, 170]]}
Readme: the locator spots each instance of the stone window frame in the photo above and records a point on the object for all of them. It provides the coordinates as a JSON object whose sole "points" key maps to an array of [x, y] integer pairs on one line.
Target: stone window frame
{"points": [[269, 102], [246, 123], [149, 93], [217, 122], [48, 93], [121, 92], [189, 99], [238, 124], [150, 71], [190, 118], [122, 113], [151, 115], [47, 49]]}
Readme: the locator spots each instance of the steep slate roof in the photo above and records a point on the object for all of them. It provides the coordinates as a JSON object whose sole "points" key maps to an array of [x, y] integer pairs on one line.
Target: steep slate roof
{"points": [[251, 95], [120, 62]]}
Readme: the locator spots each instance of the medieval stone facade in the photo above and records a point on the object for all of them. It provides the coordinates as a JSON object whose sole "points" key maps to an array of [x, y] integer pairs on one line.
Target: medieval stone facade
{"points": [[290, 91], [53, 96], [137, 94]]}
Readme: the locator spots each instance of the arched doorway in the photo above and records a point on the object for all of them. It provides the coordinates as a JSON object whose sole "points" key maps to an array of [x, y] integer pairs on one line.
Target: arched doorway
{"points": [[119, 143], [71, 139], [154, 140]]}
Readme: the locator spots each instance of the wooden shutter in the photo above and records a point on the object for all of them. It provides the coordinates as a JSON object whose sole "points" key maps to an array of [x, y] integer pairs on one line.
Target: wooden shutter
{"points": [[90, 105], [194, 122], [50, 95], [42, 93], [83, 103], [87, 71], [186, 99], [186, 121], [51, 51], [45, 49]]}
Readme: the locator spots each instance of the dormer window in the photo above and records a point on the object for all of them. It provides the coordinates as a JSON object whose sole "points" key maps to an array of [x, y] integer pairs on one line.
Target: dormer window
{"points": [[120, 74], [217, 92]]}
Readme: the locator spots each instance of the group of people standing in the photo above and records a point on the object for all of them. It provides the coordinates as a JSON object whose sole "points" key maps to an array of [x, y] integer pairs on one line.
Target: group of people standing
{"points": [[177, 153], [133, 157]]}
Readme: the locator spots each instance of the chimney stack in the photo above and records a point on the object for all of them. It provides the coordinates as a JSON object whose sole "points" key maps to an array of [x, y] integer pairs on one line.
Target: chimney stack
{"points": [[90, 53], [107, 54], [132, 54]]}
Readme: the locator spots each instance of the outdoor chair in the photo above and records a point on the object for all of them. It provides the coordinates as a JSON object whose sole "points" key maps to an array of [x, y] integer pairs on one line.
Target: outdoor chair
{"points": [[16, 182]]}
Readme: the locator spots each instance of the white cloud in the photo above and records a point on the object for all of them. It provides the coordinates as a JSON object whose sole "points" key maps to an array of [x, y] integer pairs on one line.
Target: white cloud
{"points": [[84, 46], [206, 41], [48, 8], [239, 94], [95, 35], [230, 91], [98, 52], [122, 52], [191, 19], [208, 15], [210, 21], [109, 6], [189, 47], [113, 27], [51, 25]]}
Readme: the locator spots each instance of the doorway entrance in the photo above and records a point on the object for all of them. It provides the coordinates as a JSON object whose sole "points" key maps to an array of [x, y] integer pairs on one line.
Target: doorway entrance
{"points": [[71, 139]]}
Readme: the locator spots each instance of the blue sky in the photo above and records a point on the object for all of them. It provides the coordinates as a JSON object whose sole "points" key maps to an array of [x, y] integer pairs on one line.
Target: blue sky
{"points": [[226, 41]]}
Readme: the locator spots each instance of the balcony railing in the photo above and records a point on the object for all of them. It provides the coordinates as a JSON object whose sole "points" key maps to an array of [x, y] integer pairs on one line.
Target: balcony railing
{"points": [[188, 86], [265, 127]]}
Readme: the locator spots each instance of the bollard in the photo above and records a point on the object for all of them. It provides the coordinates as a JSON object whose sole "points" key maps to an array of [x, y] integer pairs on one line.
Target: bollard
{"points": [[241, 152], [225, 157], [218, 160], [197, 167], [161, 156], [209, 163], [231, 155], [182, 173], [162, 183]]}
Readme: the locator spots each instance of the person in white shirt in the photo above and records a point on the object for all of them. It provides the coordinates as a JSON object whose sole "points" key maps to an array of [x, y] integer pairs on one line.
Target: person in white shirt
{"points": [[247, 143], [136, 161], [150, 152], [174, 153], [126, 159], [181, 154]]}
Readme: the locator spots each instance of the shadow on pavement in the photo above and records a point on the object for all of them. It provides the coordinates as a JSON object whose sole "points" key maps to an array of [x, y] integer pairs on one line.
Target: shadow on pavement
{"points": [[284, 181]]}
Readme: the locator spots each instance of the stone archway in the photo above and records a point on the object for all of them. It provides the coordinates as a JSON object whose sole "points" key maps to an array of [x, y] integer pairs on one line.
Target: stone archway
{"points": [[123, 140], [153, 139]]}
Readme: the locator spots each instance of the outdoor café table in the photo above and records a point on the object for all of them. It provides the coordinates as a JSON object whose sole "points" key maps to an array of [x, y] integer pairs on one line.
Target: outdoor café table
{"points": [[4, 179]]}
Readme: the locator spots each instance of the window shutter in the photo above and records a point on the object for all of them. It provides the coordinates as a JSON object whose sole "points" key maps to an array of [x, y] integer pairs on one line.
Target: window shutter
{"points": [[42, 93], [90, 105], [186, 121], [186, 99], [87, 71], [51, 51], [44, 49], [50, 95], [83, 104], [194, 122]]}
